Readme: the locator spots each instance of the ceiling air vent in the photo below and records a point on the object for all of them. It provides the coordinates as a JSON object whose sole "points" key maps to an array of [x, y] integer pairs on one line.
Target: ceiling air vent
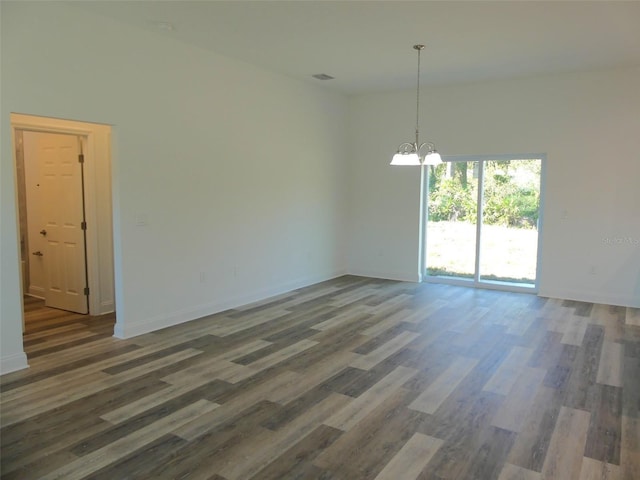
{"points": [[322, 76]]}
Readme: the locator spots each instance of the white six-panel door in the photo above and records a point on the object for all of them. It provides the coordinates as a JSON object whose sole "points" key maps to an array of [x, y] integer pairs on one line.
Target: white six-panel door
{"points": [[59, 193]]}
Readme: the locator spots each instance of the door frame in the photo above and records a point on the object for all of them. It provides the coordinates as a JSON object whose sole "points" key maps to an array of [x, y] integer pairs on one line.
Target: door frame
{"points": [[475, 282], [96, 141]]}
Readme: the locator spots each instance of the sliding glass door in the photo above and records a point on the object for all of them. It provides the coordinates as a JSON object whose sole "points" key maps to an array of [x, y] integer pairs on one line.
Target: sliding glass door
{"points": [[482, 221]]}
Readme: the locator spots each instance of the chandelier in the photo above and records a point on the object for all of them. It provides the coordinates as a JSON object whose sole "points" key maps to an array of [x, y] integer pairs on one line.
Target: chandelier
{"points": [[416, 154]]}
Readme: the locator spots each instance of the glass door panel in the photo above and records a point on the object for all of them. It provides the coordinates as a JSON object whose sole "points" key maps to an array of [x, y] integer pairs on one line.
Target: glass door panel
{"points": [[452, 213], [510, 205]]}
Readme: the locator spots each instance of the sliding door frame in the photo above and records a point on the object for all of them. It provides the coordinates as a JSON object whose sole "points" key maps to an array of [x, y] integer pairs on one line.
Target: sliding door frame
{"points": [[477, 281]]}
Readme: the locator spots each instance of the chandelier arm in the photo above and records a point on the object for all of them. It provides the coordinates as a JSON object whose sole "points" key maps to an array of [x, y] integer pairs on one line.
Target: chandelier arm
{"points": [[408, 147], [430, 149]]}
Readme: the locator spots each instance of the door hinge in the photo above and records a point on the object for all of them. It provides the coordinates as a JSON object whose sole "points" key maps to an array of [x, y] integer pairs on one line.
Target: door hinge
{"points": [[83, 225], [81, 158], [86, 290]]}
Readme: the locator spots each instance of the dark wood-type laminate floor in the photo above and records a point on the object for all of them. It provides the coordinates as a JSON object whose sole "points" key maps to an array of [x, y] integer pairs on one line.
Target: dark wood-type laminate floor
{"points": [[349, 379]]}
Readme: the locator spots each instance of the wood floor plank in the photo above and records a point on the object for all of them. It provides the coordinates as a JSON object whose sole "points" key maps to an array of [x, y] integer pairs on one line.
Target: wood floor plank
{"points": [[296, 462], [490, 455], [503, 379], [469, 440], [17, 410], [467, 320], [55, 427], [118, 449], [605, 427], [612, 319], [513, 472], [575, 329], [630, 448], [594, 470], [411, 459], [90, 370], [219, 366], [347, 316], [424, 311], [512, 413], [559, 320], [359, 408], [52, 332], [434, 395], [40, 459], [564, 457], [584, 375], [382, 324], [55, 381], [132, 409], [204, 456], [390, 305], [282, 355], [310, 295], [364, 450], [192, 430], [234, 326], [633, 317], [261, 451], [525, 318], [341, 300], [54, 361], [321, 372], [368, 361], [40, 466], [610, 364], [631, 386], [66, 339], [270, 301], [130, 466], [532, 444]]}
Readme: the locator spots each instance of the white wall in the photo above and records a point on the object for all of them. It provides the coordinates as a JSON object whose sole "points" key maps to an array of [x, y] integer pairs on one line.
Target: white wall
{"points": [[588, 124], [237, 172]]}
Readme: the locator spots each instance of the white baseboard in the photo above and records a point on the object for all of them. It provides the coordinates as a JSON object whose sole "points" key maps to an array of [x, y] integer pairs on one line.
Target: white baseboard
{"points": [[591, 297], [14, 362], [163, 321], [36, 292], [399, 276], [106, 307]]}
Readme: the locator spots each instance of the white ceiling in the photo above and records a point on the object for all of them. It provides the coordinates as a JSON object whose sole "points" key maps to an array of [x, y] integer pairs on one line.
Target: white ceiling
{"points": [[367, 46]]}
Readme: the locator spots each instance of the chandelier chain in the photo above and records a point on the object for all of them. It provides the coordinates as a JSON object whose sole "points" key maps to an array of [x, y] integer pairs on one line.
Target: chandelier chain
{"points": [[418, 99]]}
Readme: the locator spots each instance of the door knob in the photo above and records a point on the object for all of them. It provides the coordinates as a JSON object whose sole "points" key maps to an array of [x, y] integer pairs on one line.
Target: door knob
{"points": [[43, 232], [38, 253]]}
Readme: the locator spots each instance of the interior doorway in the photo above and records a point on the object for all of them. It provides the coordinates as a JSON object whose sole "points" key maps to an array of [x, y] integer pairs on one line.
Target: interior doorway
{"points": [[63, 172]]}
